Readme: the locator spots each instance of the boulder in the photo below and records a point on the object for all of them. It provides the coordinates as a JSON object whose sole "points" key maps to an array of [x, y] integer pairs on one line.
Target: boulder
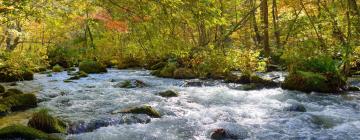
{"points": [[184, 73], [23, 132], [92, 67], [19, 101], [232, 131], [309, 81], [295, 107], [148, 110], [168, 94], [131, 84], [41, 120], [57, 68]]}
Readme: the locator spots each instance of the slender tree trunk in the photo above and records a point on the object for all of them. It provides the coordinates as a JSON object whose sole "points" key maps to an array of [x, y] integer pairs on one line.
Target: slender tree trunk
{"points": [[265, 20], [275, 23], [254, 23]]}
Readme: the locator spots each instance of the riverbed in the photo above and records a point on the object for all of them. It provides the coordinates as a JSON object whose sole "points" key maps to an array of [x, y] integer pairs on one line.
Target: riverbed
{"points": [[198, 111]]}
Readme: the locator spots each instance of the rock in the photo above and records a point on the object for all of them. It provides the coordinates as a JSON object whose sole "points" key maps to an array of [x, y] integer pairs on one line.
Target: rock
{"points": [[41, 120], [184, 73], [71, 69], [131, 84], [57, 68], [67, 81], [353, 88], [2, 89], [198, 83], [4, 109], [19, 101], [13, 84], [218, 134], [92, 67], [7, 76], [167, 71], [23, 132], [78, 75], [309, 81], [254, 81], [324, 121], [49, 75], [296, 107], [11, 92], [141, 110], [168, 94], [83, 127]]}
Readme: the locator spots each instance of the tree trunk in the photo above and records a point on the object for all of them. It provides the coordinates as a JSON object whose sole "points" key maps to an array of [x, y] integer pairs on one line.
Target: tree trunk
{"points": [[275, 23], [254, 23], [265, 20]]}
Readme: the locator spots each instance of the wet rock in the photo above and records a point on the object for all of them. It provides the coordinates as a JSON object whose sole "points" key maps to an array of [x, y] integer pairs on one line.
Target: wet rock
{"points": [[19, 101], [19, 132], [43, 121], [92, 67], [296, 108], [131, 84], [112, 80], [197, 83], [353, 88], [168, 94], [254, 81], [78, 75], [2, 89], [83, 127], [232, 131], [13, 84], [57, 68], [324, 121], [148, 110]]}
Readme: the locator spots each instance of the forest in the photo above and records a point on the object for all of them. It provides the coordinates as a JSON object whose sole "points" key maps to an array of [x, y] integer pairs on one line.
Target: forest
{"points": [[179, 69]]}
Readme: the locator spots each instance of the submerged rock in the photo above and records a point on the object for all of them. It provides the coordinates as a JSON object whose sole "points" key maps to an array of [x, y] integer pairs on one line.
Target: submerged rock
{"points": [[325, 121], [229, 131], [131, 84], [83, 127], [168, 94], [296, 108], [43, 121], [92, 67], [20, 132], [148, 110]]}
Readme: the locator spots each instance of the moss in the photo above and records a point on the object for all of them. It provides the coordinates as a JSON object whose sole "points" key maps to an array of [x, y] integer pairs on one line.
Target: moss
{"points": [[2, 89], [148, 110], [21, 76], [82, 74], [92, 67], [41, 120], [168, 93], [57, 68], [184, 73], [11, 92], [168, 70], [159, 65], [309, 81], [20, 101], [23, 132]]}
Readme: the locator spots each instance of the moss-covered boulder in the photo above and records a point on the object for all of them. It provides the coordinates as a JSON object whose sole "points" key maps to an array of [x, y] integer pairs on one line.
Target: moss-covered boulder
{"points": [[310, 81], [168, 94], [10, 92], [131, 84], [23, 132], [92, 67], [184, 73], [78, 75], [43, 121], [2, 89], [8, 75], [19, 101], [57, 68], [148, 110]]}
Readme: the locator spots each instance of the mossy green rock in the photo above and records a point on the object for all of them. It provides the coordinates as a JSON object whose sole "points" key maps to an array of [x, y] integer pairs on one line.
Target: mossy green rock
{"points": [[19, 101], [131, 84], [168, 94], [57, 68], [148, 110], [184, 73], [11, 92], [92, 67], [2, 89], [23, 132], [43, 121], [309, 81]]}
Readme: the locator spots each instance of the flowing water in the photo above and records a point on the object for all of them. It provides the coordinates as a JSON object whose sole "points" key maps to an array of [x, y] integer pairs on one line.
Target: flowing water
{"points": [[254, 114]]}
